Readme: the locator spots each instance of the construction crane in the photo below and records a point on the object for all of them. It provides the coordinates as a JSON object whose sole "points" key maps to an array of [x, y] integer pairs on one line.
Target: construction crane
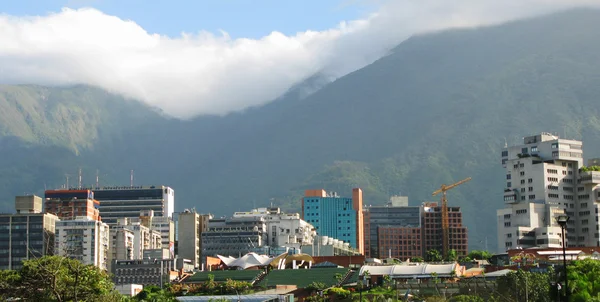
{"points": [[445, 220]]}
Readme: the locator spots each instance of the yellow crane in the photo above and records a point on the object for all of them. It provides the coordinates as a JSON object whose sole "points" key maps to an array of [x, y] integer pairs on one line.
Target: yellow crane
{"points": [[445, 220]]}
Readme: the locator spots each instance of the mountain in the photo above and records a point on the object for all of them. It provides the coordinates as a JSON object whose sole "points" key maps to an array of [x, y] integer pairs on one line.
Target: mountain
{"points": [[435, 110]]}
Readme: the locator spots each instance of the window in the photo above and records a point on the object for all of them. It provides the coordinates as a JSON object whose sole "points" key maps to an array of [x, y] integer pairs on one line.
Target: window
{"points": [[531, 197], [552, 171], [505, 153], [522, 165], [534, 149], [523, 211], [530, 189], [530, 180], [522, 190], [507, 176], [508, 184], [524, 150], [522, 173], [522, 181], [554, 146]]}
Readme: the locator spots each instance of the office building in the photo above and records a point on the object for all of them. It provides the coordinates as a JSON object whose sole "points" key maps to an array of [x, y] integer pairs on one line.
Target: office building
{"points": [[335, 216], [84, 239], [27, 234], [393, 230], [151, 206], [233, 236], [431, 222], [542, 181], [127, 202], [67, 204], [190, 226]]}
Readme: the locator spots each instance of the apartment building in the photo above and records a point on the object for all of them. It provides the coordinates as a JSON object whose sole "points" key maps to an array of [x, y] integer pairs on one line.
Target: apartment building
{"points": [[84, 239], [67, 204], [190, 226], [542, 181]]}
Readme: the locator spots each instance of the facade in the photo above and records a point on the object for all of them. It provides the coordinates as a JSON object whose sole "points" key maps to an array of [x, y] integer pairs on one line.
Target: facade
{"points": [[127, 202], [145, 271], [431, 221], [542, 181], [190, 226], [84, 239], [335, 216], [163, 225], [283, 230], [27, 234], [130, 240], [67, 204], [327, 246], [394, 218], [233, 236]]}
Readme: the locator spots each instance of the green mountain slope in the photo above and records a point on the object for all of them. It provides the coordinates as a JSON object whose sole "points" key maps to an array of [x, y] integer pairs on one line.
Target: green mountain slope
{"points": [[436, 110]]}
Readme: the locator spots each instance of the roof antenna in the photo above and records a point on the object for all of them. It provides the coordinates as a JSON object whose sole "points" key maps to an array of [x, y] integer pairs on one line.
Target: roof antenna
{"points": [[505, 143], [79, 180], [97, 179], [131, 179], [67, 184]]}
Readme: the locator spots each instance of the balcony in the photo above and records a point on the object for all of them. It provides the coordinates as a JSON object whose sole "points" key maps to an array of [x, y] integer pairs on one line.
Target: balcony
{"points": [[590, 177]]}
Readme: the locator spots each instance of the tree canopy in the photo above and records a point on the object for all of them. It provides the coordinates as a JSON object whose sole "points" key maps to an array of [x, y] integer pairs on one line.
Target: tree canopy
{"points": [[55, 278]]}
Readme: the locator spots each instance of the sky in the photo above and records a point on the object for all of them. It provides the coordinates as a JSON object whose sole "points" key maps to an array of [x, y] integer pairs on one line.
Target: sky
{"points": [[197, 57]]}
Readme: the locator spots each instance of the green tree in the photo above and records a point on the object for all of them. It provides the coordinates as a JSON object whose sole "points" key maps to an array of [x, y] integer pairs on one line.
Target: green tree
{"points": [[584, 280], [416, 259], [466, 298], [534, 286], [58, 278], [452, 255], [479, 255], [433, 255]]}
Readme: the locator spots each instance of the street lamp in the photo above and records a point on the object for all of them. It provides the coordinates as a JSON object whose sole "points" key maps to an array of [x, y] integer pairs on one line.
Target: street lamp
{"points": [[562, 221]]}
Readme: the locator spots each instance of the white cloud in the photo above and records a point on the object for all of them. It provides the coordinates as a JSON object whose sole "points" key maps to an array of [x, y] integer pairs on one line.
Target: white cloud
{"points": [[214, 74]]}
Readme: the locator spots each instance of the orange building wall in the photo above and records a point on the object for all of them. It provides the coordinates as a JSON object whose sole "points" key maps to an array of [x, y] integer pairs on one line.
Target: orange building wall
{"points": [[357, 202], [315, 193]]}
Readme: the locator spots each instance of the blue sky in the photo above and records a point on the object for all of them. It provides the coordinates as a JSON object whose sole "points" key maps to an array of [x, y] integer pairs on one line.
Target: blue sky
{"points": [[240, 18]]}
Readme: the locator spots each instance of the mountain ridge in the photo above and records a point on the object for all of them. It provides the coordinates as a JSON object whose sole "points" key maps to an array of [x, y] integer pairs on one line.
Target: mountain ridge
{"points": [[435, 110]]}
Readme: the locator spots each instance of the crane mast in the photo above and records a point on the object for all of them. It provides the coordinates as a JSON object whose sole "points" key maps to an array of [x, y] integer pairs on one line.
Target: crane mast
{"points": [[445, 219]]}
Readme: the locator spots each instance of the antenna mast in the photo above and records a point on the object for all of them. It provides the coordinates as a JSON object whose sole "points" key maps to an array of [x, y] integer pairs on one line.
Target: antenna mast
{"points": [[131, 179], [97, 179], [79, 180]]}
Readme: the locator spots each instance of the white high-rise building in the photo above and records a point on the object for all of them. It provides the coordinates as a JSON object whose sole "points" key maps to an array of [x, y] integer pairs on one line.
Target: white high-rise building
{"points": [[84, 239], [190, 226], [542, 178]]}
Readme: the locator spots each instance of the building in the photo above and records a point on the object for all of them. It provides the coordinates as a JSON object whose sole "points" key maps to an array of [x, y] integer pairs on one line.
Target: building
{"points": [[67, 204], [431, 231], [393, 230], [130, 240], [84, 239], [234, 236], [27, 234], [335, 216], [190, 226], [283, 229], [156, 268], [327, 246], [127, 202], [542, 181]]}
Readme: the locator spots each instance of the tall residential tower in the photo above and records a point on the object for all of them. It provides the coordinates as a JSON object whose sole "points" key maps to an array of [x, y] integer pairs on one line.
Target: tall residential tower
{"points": [[542, 181]]}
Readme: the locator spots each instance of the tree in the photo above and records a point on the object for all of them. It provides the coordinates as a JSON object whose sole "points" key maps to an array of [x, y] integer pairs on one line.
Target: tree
{"points": [[433, 256], [479, 255], [534, 286], [466, 298], [452, 255], [57, 278], [584, 280], [416, 259]]}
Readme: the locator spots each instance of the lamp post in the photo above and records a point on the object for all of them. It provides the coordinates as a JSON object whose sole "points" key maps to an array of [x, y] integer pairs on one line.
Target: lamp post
{"points": [[562, 221]]}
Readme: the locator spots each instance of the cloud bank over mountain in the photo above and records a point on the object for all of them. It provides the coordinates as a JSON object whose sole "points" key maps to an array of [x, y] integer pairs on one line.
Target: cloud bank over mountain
{"points": [[206, 73]]}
